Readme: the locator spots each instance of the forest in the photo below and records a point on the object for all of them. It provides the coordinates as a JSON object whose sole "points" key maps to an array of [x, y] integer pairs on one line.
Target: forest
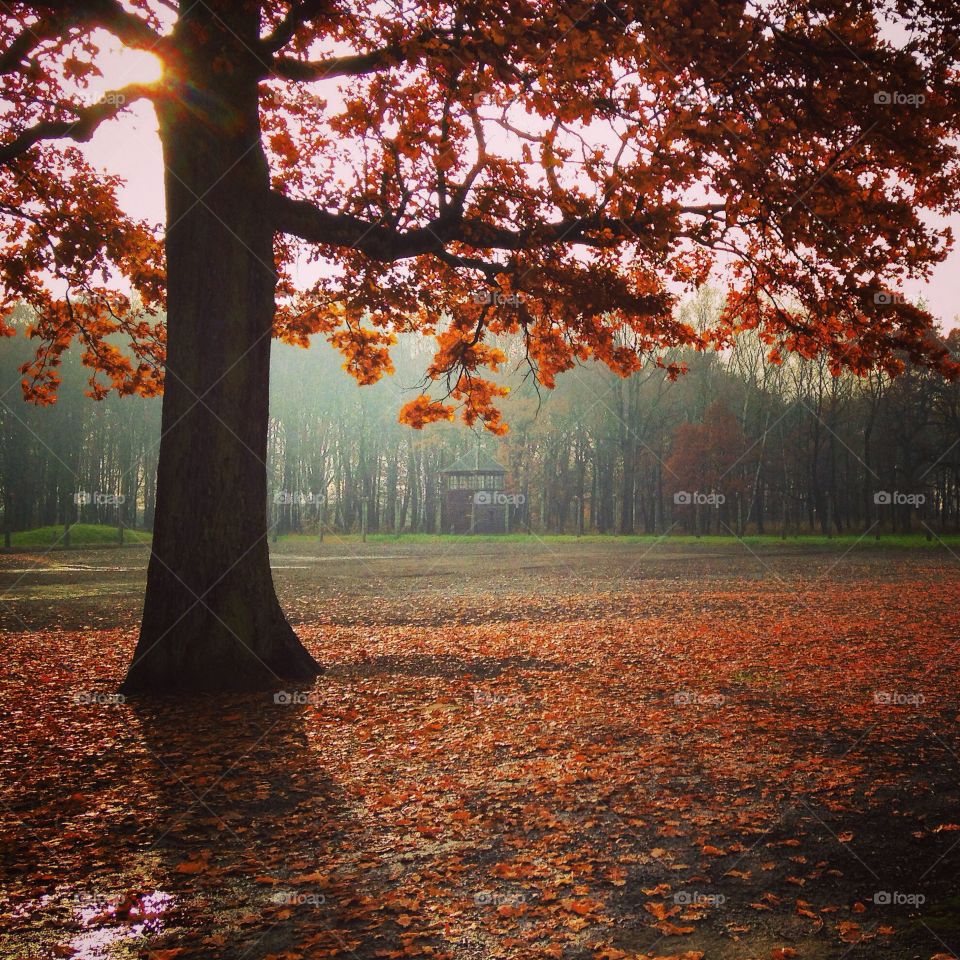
{"points": [[735, 445]]}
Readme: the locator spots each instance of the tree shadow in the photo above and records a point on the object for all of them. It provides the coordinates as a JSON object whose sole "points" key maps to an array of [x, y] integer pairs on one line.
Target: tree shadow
{"points": [[240, 832], [445, 665]]}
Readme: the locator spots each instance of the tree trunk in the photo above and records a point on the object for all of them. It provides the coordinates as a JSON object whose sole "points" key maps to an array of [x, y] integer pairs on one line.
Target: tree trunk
{"points": [[211, 618], [629, 392]]}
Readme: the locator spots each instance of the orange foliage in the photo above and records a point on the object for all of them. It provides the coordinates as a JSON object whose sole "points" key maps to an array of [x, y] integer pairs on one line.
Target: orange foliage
{"points": [[544, 170]]}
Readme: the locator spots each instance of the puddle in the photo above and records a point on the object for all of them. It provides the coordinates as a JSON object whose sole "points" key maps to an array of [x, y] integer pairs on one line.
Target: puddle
{"points": [[112, 923], [91, 927]]}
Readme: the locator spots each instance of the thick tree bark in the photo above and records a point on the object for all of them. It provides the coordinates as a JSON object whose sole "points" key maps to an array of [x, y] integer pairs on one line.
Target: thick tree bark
{"points": [[211, 618]]}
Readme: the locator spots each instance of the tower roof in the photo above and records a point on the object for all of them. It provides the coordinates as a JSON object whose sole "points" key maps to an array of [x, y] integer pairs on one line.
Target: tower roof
{"points": [[475, 461]]}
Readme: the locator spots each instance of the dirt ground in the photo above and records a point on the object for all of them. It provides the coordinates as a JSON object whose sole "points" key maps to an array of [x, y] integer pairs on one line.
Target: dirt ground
{"points": [[576, 750]]}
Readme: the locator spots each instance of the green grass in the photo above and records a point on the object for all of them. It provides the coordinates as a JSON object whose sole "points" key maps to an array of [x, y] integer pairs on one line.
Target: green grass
{"points": [[81, 535], [85, 535]]}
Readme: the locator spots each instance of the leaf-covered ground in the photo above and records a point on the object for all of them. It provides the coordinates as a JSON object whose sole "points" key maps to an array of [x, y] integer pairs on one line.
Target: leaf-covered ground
{"points": [[543, 752]]}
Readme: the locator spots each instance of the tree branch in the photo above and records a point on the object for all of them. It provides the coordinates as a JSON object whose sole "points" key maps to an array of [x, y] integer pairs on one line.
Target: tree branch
{"points": [[80, 129], [359, 64], [111, 16], [298, 15], [58, 22], [355, 65], [27, 41], [300, 218]]}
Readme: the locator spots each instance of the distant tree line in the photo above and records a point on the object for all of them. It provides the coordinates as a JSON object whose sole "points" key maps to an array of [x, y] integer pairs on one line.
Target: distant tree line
{"points": [[737, 445], [75, 460]]}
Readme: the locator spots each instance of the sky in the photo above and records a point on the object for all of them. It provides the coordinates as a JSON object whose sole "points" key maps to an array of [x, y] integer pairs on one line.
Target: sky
{"points": [[130, 148]]}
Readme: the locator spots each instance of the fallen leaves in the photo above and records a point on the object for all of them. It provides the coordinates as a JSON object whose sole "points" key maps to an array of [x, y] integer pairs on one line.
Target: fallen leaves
{"points": [[660, 910], [849, 931], [532, 792]]}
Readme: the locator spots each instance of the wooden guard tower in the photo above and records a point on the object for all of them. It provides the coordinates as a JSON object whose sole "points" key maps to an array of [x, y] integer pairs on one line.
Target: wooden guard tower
{"points": [[472, 498]]}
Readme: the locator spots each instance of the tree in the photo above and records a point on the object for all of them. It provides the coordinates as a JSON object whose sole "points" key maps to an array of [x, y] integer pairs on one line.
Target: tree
{"points": [[554, 169], [705, 461]]}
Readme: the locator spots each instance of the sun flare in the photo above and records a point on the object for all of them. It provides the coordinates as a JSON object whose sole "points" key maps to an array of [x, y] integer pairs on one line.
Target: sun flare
{"points": [[143, 66]]}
